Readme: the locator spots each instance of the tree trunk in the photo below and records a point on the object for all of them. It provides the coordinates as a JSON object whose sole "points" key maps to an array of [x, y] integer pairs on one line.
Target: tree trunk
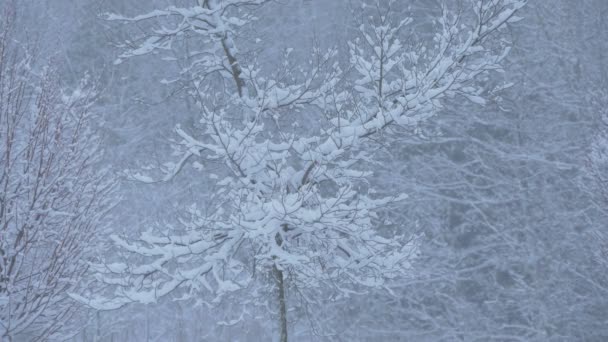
{"points": [[97, 327], [278, 274], [147, 324]]}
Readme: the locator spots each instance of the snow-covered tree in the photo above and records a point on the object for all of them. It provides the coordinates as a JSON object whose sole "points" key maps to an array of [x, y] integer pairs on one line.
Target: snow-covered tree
{"points": [[290, 150], [509, 243], [52, 193]]}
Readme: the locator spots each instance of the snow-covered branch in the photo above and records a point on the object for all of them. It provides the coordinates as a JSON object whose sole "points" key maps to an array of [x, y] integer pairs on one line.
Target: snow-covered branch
{"points": [[292, 206]]}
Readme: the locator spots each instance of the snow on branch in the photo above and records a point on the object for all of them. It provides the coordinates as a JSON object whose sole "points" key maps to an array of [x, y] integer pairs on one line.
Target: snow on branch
{"points": [[293, 206]]}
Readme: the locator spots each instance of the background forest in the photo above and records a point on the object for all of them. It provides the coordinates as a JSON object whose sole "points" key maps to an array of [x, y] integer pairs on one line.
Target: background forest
{"points": [[303, 170]]}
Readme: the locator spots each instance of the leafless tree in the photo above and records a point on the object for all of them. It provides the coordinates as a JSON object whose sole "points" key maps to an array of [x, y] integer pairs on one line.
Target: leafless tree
{"points": [[53, 196], [294, 210]]}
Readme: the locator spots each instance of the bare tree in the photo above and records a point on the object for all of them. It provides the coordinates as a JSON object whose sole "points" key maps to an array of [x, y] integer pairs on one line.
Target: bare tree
{"points": [[53, 195], [293, 208]]}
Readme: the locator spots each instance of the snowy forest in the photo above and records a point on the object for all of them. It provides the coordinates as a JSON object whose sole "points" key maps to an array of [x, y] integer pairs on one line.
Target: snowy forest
{"points": [[303, 170]]}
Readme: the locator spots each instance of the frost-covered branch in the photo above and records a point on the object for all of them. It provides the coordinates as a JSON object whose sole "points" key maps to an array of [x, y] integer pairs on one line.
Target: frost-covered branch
{"points": [[53, 196], [296, 209]]}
